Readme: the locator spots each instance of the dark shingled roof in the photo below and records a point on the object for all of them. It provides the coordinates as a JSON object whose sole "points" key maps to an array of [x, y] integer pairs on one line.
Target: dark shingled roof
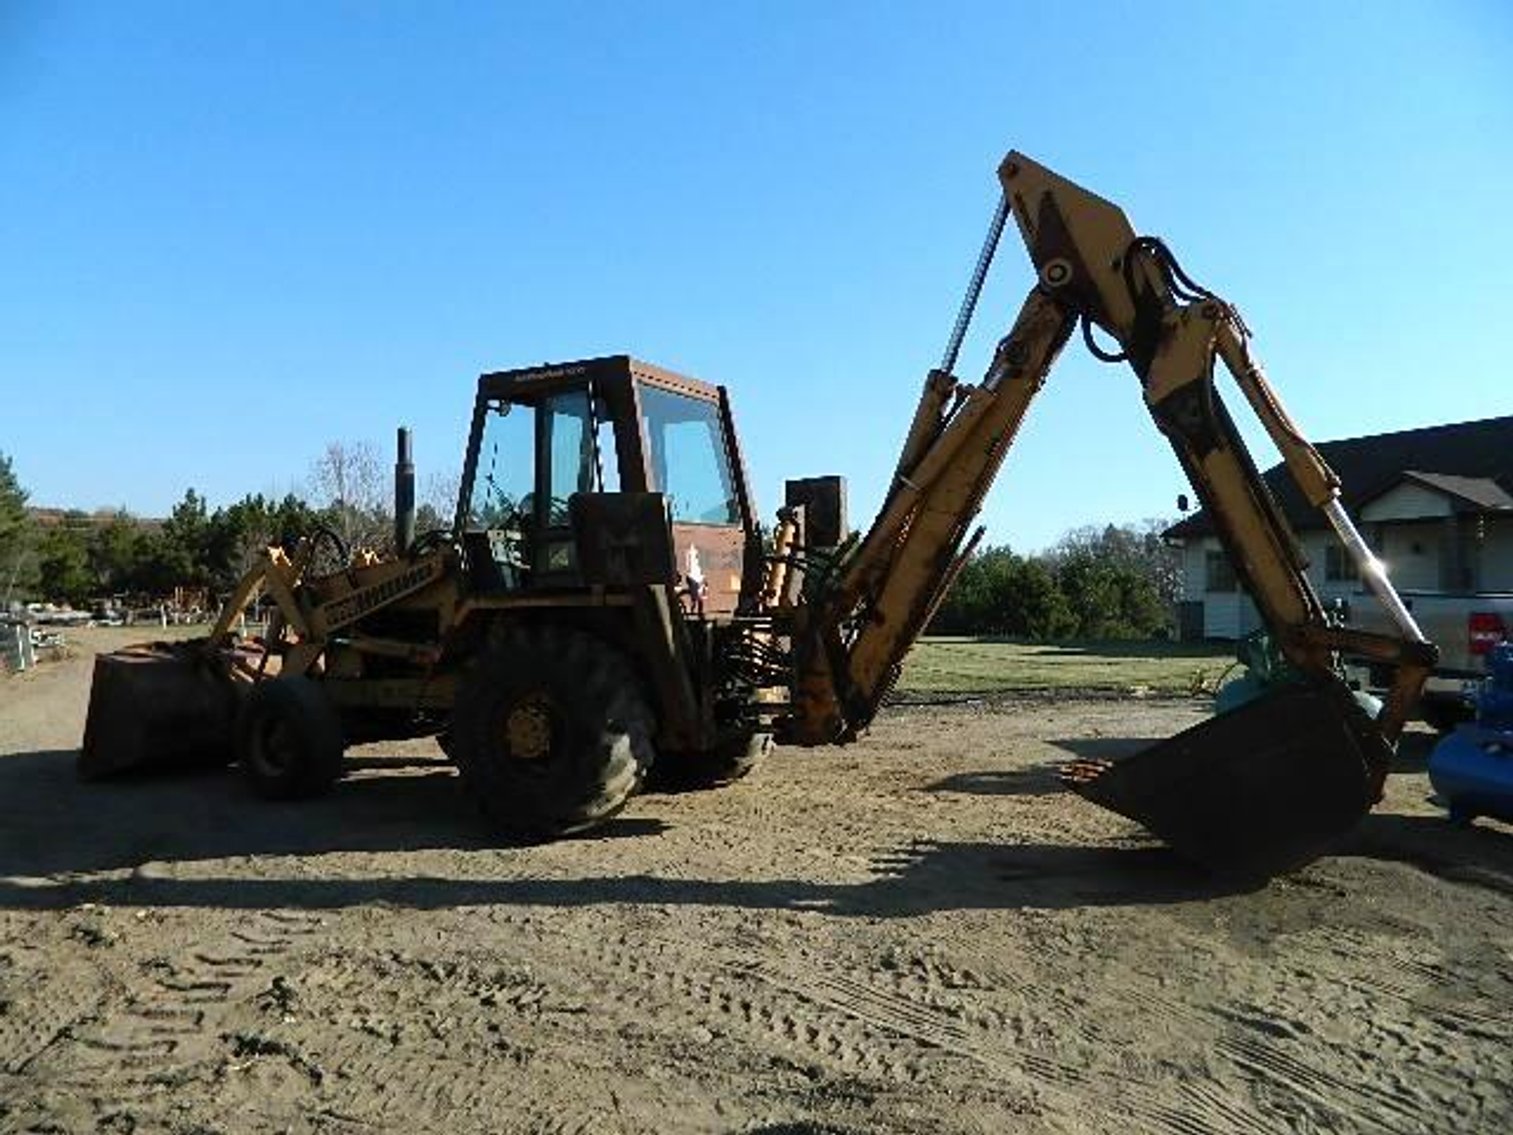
{"points": [[1478, 492], [1472, 461]]}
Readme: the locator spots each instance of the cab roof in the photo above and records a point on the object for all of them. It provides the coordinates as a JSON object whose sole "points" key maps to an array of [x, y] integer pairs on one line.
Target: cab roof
{"points": [[603, 370]]}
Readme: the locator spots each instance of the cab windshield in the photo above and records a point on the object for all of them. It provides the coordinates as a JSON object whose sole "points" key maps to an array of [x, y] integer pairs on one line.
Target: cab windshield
{"points": [[555, 439]]}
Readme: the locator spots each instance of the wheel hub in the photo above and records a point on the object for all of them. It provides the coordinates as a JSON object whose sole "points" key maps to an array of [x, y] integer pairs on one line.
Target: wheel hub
{"points": [[528, 731]]}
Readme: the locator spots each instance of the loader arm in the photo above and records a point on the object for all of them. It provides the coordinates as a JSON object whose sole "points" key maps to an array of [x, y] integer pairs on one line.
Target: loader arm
{"points": [[1091, 270]]}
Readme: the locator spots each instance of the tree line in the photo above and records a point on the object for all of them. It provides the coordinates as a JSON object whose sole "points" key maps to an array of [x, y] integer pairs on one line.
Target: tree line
{"points": [[1118, 581], [1114, 582], [79, 557]]}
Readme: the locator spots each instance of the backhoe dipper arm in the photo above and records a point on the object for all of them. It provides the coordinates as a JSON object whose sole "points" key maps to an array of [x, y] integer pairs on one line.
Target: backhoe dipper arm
{"points": [[849, 643], [1091, 268]]}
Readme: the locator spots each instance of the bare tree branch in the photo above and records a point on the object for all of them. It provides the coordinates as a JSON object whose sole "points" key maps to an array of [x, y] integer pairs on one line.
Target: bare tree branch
{"points": [[347, 483]]}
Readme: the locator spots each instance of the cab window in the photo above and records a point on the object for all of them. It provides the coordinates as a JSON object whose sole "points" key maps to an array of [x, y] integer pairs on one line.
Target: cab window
{"points": [[534, 456], [567, 443], [555, 439], [689, 464], [506, 467]]}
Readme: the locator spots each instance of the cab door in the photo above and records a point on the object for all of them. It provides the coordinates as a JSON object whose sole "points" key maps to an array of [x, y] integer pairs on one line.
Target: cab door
{"points": [[689, 463]]}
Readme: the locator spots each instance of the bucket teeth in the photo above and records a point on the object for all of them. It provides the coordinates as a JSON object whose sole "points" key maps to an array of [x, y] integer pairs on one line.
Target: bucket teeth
{"points": [[1074, 774]]}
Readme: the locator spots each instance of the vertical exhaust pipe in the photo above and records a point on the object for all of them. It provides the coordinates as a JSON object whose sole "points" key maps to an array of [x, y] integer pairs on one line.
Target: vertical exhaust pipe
{"points": [[404, 494]]}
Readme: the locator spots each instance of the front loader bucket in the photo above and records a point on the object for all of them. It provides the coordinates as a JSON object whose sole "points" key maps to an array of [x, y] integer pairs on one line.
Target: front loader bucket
{"points": [[1255, 791], [157, 705]]}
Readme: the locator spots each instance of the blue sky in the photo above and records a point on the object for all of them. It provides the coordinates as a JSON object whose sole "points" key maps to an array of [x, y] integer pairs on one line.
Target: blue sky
{"points": [[234, 232]]}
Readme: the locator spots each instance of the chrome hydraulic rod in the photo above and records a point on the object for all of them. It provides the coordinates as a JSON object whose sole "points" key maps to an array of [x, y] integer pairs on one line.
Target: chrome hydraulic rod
{"points": [[1373, 572]]}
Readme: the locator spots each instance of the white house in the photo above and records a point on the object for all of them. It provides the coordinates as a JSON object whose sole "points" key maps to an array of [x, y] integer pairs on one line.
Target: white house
{"points": [[1436, 504]]}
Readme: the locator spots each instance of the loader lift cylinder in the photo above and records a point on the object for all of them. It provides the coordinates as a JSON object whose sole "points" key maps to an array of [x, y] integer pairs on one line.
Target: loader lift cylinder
{"points": [[404, 493]]}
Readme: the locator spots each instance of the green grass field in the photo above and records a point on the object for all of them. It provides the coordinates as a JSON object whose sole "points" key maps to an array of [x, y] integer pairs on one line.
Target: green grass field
{"points": [[985, 666], [943, 666]]}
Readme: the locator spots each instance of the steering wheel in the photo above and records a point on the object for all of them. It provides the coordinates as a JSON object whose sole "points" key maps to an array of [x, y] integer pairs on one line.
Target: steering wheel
{"points": [[328, 551], [435, 538], [557, 513]]}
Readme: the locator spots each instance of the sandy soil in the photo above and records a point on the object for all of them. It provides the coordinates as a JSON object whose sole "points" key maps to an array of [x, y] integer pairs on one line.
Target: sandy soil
{"points": [[915, 934]]}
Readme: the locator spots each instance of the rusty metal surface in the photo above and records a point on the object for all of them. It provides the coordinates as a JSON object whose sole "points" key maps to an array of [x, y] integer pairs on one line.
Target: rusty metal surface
{"points": [[672, 380], [715, 555], [158, 705], [823, 500], [604, 369]]}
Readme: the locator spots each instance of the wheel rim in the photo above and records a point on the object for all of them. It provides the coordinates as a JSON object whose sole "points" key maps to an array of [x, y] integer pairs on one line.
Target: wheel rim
{"points": [[529, 729]]}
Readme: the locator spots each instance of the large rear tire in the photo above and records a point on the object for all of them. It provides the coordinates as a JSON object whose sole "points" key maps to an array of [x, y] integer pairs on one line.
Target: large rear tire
{"points": [[289, 739], [551, 732]]}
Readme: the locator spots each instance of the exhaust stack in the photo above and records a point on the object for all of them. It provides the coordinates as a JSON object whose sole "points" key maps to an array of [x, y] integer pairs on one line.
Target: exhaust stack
{"points": [[404, 494]]}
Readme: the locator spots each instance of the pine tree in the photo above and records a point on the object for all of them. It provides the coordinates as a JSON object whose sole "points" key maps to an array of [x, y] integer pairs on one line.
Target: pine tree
{"points": [[17, 563]]}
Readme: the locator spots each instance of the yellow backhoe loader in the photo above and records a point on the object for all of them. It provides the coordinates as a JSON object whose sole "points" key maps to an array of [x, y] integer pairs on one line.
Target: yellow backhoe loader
{"points": [[605, 607]]}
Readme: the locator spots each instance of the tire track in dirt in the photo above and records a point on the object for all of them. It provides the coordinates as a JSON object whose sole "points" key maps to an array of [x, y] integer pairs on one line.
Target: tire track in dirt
{"points": [[1253, 1039], [1124, 1088], [445, 1037], [889, 1024], [159, 1022], [657, 982], [870, 1023], [1370, 1107], [1195, 1114], [1111, 1065], [1428, 989], [840, 1024], [1075, 1090], [1209, 1106], [853, 1023], [1282, 1036], [33, 1017], [885, 1008], [1416, 1022]]}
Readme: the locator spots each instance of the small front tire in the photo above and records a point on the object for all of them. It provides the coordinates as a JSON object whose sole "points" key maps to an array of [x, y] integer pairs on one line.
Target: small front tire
{"points": [[289, 739]]}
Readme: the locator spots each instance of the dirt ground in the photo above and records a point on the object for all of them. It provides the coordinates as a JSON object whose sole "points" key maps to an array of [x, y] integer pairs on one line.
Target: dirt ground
{"points": [[918, 933]]}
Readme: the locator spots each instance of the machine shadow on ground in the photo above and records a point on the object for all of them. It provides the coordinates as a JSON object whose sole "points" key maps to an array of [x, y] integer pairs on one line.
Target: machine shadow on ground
{"points": [[399, 804], [1477, 854], [135, 830], [1041, 779], [918, 879], [1037, 780]]}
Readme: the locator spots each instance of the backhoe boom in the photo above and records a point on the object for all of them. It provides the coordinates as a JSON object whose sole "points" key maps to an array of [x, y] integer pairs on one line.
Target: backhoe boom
{"points": [[1092, 269]]}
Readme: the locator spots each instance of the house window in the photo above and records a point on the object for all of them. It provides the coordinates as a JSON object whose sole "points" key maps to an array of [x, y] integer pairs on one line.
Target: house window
{"points": [[1339, 565], [1218, 572]]}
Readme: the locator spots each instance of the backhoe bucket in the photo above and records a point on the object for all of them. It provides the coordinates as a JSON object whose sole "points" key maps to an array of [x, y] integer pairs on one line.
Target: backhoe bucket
{"points": [[157, 705], [1261, 789]]}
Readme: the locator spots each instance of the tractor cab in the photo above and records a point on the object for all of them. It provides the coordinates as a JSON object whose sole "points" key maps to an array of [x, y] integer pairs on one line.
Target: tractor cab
{"points": [[606, 471]]}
